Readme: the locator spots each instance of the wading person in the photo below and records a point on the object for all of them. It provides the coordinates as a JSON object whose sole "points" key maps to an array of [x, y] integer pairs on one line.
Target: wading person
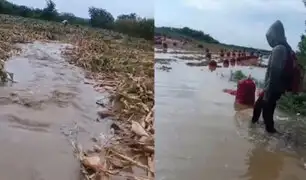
{"points": [[281, 76]]}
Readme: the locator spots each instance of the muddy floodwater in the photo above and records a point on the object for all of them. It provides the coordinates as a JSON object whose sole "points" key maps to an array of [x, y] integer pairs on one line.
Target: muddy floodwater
{"points": [[200, 136], [48, 107]]}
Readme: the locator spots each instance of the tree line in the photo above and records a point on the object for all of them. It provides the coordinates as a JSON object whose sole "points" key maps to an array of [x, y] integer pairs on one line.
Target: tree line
{"points": [[130, 24], [301, 53], [185, 33], [188, 34]]}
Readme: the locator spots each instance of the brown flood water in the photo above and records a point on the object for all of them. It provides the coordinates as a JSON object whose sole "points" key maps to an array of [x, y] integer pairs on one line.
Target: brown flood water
{"points": [[49, 106], [199, 136]]}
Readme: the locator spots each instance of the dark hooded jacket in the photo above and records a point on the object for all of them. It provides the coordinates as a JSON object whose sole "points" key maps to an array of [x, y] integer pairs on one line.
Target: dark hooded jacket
{"points": [[277, 60]]}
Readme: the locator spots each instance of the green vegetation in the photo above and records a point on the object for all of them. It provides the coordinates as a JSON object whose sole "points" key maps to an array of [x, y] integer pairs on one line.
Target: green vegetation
{"points": [[189, 34], [293, 103], [239, 75], [185, 34], [123, 63], [129, 24], [301, 54], [290, 103]]}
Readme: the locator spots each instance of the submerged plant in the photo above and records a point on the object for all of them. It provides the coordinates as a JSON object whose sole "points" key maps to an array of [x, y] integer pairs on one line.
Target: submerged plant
{"points": [[293, 103], [239, 75]]}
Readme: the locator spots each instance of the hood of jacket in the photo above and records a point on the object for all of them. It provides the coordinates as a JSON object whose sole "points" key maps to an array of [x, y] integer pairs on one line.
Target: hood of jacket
{"points": [[276, 34]]}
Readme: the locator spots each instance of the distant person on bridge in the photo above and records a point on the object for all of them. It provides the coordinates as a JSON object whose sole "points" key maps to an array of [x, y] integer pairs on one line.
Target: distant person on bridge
{"points": [[281, 76]]}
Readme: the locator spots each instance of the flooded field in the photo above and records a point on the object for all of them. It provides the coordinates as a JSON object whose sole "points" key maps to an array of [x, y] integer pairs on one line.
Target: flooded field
{"points": [[47, 107], [200, 136]]}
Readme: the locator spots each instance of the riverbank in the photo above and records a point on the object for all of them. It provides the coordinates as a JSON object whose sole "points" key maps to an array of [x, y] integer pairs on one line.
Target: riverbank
{"points": [[118, 64]]}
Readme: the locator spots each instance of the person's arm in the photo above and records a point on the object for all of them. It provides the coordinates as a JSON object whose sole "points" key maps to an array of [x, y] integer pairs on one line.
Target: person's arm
{"points": [[278, 62]]}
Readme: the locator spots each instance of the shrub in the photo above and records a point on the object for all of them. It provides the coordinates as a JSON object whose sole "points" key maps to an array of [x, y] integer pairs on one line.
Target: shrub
{"points": [[129, 24]]}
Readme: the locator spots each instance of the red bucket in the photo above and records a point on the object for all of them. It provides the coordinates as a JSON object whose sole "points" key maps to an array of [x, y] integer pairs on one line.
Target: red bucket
{"points": [[226, 63], [233, 62], [246, 92], [212, 65]]}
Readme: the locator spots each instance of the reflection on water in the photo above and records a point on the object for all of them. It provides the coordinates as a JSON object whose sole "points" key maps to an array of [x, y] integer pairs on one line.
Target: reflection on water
{"points": [[200, 137], [273, 162]]}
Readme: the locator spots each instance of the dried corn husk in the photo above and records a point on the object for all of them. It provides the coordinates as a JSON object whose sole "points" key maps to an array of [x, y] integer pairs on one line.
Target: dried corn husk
{"points": [[120, 65]]}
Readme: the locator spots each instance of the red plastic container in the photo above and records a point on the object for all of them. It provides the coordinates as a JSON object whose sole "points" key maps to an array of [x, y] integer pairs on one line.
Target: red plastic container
{"points": [[212, 65], [246, 92], [233, 62], [226, 63]]}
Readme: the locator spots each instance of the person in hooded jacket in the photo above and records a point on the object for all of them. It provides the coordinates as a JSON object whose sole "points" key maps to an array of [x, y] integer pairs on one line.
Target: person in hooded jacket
{"points": [[274, 85]]}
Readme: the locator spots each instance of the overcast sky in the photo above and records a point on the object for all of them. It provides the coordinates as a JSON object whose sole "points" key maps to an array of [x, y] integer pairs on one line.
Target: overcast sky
{"points": [[241, 22], [144, 8]]}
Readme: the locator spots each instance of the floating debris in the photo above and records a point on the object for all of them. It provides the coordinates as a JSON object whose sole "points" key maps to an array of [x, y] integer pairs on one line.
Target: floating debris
{"points": [[191, 57], [124, 68], [164, 61], [202, 63], [164, 68]]}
